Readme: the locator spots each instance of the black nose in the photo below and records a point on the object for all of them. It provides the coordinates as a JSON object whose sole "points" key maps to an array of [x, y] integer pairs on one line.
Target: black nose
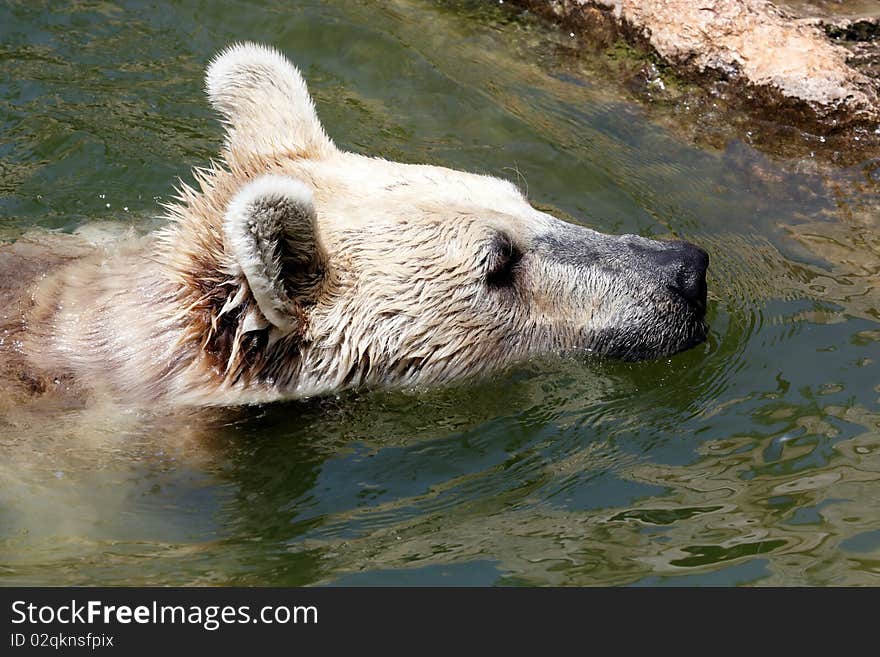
{"points": [[680, 266], [687, 272]]}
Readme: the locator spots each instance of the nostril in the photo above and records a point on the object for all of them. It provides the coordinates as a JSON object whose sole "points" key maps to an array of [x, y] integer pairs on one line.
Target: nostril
{"points": [[689, 280], [691, 285]]}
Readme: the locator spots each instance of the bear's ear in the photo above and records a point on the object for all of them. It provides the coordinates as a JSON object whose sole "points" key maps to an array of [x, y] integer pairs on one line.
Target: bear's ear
{"points": [[269, 231], [264, 103]]}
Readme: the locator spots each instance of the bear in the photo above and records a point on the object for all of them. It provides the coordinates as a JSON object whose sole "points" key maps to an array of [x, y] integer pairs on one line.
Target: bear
{"points": [[292, 269]]}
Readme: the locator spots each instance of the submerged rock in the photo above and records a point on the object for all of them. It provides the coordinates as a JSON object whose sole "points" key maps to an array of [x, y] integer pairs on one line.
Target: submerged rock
{"points": [[785, 58]]}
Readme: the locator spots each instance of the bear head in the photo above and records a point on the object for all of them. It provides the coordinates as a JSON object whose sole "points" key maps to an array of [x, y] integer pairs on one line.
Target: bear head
{"points": [[303, 269]]}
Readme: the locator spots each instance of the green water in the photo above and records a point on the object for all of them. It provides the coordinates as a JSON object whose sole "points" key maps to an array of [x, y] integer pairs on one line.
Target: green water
{"points": [[753, 459]]}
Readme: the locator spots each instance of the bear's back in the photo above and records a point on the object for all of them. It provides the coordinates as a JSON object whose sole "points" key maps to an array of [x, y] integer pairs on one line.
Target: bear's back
{"points": [[24, 263]]}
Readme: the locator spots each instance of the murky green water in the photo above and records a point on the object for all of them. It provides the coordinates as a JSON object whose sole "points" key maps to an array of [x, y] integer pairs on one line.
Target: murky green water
{"points": [[754, 459]]}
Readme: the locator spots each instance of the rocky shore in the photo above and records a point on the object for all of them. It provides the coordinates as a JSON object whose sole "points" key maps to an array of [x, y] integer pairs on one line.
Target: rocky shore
{"points": [[814, 64]]}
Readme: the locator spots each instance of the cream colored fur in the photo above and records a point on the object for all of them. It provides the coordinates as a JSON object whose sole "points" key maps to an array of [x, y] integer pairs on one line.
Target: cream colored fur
{"points": [[294, 269]]}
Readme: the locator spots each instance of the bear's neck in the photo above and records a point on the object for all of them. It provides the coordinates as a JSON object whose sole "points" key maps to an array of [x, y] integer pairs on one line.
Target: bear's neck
{"points": [[127, 326], [105, 323]]}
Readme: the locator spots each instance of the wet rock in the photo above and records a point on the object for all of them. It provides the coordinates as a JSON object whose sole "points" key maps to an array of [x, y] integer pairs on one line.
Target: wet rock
{"points": [[853, 24], [786, 61]]}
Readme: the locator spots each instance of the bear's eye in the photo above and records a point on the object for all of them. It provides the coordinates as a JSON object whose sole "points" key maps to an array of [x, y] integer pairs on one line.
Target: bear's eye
{"points": [[504, 256]]}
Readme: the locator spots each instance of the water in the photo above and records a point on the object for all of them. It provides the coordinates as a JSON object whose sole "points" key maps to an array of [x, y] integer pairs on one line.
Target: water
{"points": [[753, 459]]}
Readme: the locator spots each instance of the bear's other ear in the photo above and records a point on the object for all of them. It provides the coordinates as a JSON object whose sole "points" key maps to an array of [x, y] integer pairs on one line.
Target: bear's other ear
{"points": [[264, 103], [270, 233]]}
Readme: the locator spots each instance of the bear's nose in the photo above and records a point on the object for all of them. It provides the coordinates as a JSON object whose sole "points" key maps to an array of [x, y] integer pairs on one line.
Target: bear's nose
{"points": [[688, 274], [678, 266]]}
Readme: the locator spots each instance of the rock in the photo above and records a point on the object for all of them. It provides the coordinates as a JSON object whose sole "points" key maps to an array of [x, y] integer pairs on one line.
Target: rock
{"points": [[783, 57]]}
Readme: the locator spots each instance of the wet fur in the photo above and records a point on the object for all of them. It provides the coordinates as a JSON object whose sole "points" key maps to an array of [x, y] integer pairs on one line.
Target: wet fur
{"points": [[293, 269]]}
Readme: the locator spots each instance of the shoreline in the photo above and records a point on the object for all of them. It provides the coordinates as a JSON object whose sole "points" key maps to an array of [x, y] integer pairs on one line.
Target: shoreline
{"points": [[785, 63]]}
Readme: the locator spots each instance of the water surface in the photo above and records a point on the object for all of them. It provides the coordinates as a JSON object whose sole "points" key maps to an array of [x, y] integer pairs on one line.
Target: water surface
{"points": [[752, 459]]}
